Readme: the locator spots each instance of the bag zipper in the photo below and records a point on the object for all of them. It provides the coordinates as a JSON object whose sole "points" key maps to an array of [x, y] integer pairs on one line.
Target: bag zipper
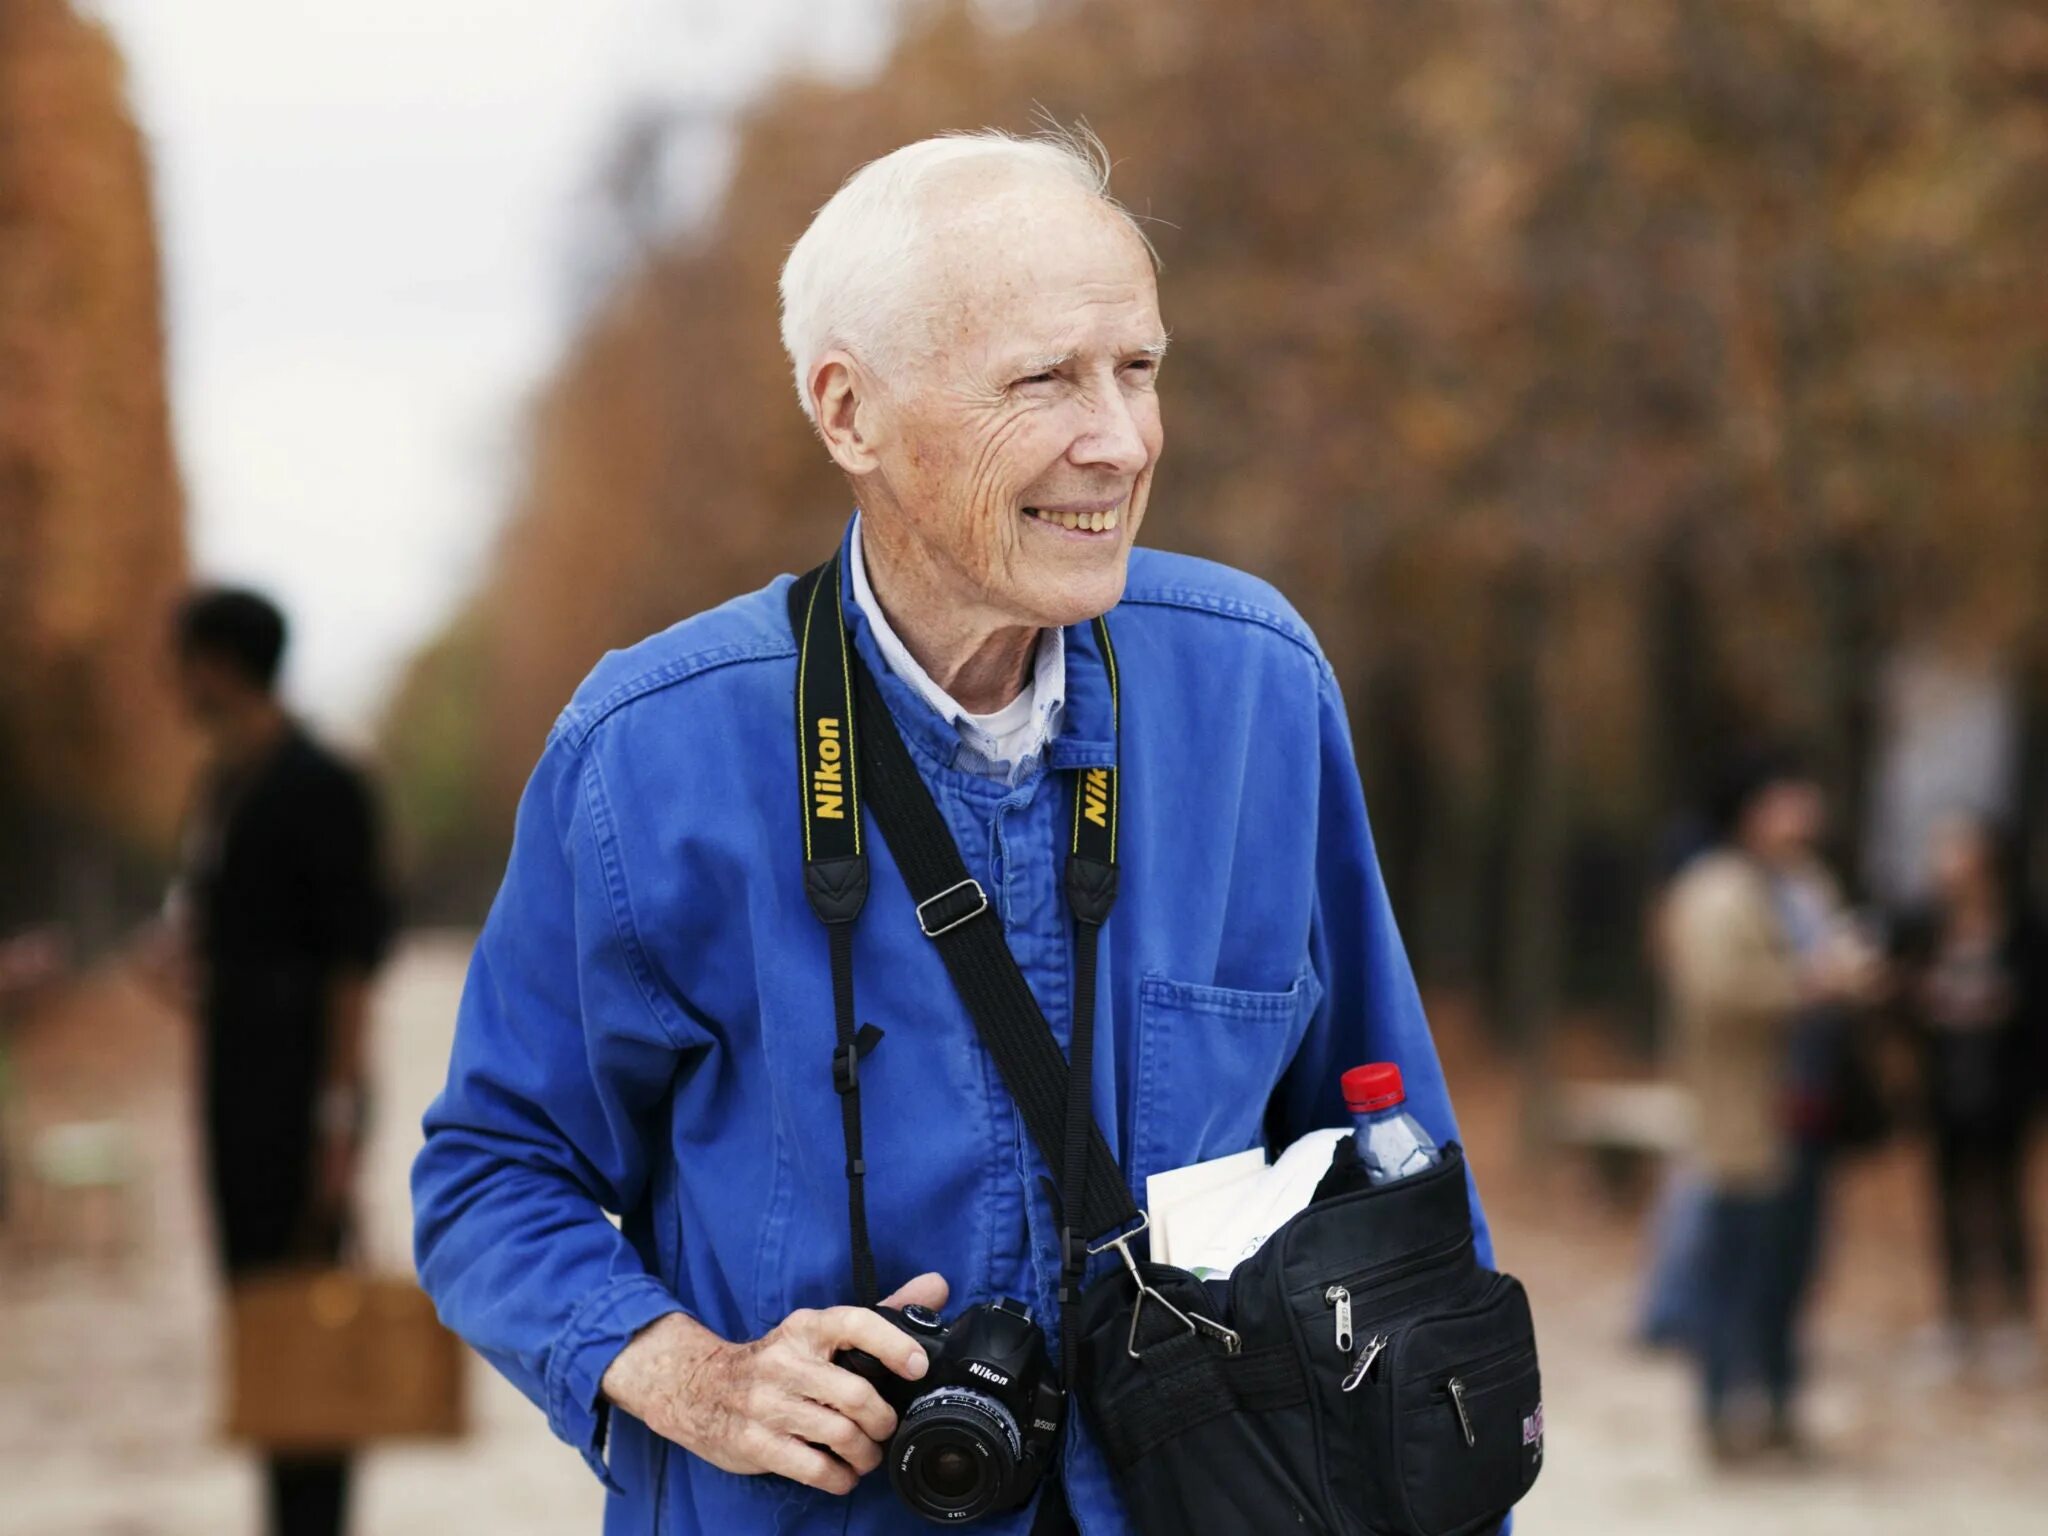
{"points": [[1395, 1269], [1457, 1390], [1363, 1365], [1496, 1287], [1339, 1297], [1472, 1382], [1479, 1375]]}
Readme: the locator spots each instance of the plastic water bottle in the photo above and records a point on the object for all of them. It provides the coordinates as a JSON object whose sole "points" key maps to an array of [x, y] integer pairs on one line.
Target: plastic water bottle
{"points": [[1391, 1143]]}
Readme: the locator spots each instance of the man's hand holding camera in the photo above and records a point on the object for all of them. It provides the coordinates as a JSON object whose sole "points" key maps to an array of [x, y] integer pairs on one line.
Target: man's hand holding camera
{"points": [[778, 1403]]}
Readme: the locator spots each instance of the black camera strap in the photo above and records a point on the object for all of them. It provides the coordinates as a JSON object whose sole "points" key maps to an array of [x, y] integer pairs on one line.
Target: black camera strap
{"points": [[844, 767], [836, 877]]}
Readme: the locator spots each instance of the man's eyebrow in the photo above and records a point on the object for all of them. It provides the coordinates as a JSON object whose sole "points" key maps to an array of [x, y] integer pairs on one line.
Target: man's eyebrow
{"points": [[1052, 362], [1037, 363], [1044, 362]]}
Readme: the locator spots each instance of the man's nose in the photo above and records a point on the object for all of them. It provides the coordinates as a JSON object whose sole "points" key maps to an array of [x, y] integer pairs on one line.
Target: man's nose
{"points": [[1111, 439]]}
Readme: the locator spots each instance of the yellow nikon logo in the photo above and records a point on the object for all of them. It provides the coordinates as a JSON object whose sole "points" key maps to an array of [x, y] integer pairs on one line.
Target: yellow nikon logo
{"points": [[828, 779], [1095, 796]]}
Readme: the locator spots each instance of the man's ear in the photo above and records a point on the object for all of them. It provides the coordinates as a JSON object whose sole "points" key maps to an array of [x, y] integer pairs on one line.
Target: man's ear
{"points": [[843, 398]]}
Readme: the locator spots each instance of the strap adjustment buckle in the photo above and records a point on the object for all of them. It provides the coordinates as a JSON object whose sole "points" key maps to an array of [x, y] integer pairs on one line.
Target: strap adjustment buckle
{"points": [[1073, 1264], [846, 1058], [963, 901]]}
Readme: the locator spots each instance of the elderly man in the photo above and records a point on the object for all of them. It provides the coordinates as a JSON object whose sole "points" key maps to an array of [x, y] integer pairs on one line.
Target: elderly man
{"points": [[649, 1024]]}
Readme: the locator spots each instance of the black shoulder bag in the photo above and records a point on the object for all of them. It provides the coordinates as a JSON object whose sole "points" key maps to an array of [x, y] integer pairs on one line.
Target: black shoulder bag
{"points": [[1359, 1374]]}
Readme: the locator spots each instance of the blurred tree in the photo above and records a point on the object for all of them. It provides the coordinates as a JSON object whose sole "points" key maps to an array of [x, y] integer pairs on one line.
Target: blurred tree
{"points": [[91, 537], [1620, 377]]}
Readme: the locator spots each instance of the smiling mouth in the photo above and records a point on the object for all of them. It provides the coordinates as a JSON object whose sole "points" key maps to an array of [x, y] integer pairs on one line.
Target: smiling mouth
{"points": [[1079, 522]]}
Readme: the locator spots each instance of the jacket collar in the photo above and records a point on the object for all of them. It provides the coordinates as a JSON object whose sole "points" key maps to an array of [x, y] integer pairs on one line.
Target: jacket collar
{"points": [[1087, 736]]}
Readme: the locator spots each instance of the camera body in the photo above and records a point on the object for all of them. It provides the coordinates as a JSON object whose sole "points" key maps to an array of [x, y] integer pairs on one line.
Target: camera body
{"points": [[980, 1429]]}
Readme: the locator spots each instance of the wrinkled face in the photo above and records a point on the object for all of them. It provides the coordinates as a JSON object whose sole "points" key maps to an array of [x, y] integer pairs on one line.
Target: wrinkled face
{"points": [[1015, 442]]}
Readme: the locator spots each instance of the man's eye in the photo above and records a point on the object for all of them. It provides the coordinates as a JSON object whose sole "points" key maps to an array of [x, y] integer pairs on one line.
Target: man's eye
{"points": [[1039, 378]]}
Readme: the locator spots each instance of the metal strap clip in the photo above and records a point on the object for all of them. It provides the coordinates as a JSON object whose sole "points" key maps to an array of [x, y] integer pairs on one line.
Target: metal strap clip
{"points": [[1194, 1322], [980, 906]]}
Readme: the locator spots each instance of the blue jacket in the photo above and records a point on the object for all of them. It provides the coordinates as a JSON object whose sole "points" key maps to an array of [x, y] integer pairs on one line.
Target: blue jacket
{"points": [[647, 1024]]}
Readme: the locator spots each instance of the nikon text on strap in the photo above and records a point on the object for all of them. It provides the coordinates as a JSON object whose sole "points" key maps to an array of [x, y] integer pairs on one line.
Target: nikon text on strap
{"points": [[851, 755], [836, 880]]}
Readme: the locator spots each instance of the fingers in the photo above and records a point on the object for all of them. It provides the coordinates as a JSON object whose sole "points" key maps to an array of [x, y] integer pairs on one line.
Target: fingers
{"points": [[802, 1417], [927, 1290], [828, 1430], [800, 1463], [838, 1328], [847, 1393]]}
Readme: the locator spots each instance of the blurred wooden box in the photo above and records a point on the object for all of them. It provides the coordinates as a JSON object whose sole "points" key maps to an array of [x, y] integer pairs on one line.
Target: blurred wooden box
{"points": [[321, 1359]]}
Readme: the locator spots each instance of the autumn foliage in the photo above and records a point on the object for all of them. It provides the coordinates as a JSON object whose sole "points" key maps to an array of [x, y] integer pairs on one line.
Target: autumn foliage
{"points": [[91, 533], [1600, 377]]}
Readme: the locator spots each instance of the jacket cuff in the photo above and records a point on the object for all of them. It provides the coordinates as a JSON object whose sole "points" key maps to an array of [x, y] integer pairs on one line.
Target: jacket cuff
{"points": [[595, 1333]]}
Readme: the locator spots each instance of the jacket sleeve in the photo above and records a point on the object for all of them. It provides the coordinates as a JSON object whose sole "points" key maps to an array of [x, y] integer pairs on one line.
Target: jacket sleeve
{"points": [[563, 1054], [1370, 1008]]}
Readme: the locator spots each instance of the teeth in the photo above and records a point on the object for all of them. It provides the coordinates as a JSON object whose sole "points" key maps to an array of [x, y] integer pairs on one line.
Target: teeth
{"points": [[1088, 522]]}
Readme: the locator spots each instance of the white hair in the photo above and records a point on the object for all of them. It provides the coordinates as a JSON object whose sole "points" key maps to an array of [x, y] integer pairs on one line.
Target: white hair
{"points": [[847, 281]]}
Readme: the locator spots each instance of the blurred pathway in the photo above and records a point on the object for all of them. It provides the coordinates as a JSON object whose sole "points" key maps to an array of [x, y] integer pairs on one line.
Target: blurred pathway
{"points": [[108, 1388], [107, 1383], [1900, 1456]]}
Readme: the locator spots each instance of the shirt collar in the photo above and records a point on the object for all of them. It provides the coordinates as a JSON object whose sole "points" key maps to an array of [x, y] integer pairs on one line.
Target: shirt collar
{"points": [[981, 750]]}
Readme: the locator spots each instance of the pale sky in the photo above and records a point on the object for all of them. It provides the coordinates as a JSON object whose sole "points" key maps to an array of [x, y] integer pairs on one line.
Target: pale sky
{"points": [[378, 223]]}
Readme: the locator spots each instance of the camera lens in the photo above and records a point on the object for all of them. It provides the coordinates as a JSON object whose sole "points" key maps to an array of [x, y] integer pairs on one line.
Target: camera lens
{"points": [[950, 1472], [954, 1455]]}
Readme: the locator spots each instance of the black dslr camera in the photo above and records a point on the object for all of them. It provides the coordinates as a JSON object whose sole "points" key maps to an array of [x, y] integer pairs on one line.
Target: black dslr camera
{"points": [[978, 1432]]}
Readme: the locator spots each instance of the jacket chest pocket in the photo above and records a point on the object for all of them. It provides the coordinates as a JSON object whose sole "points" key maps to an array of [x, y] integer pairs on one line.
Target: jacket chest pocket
{"points": [[1208, 1060]]}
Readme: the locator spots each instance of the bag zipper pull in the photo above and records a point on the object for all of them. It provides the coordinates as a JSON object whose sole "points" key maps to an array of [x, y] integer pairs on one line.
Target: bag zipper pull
{"points": [[1364, 1363], [1340, 1298], [1464, 1418]]}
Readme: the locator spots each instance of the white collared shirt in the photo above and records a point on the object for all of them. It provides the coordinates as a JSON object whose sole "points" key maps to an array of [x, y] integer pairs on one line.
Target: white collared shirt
{"points": [[999, 745]]}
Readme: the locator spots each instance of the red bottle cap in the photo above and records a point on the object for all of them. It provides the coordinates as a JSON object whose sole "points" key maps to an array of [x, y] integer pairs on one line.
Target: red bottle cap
{"points": [[1374, 1086]]}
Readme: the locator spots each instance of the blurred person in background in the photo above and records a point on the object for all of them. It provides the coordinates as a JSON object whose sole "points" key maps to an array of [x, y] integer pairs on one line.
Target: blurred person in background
{"points": [[1761, 965], [1671, 1306], [281, 914], [1974, 987]]}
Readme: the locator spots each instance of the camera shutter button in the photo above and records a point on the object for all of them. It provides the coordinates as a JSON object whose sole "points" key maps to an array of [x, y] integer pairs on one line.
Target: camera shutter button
{"points": [[921, 1317]]}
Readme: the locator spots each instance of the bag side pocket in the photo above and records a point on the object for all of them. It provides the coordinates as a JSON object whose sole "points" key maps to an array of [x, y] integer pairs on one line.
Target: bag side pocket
{"points": [[1449, 1416]]}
